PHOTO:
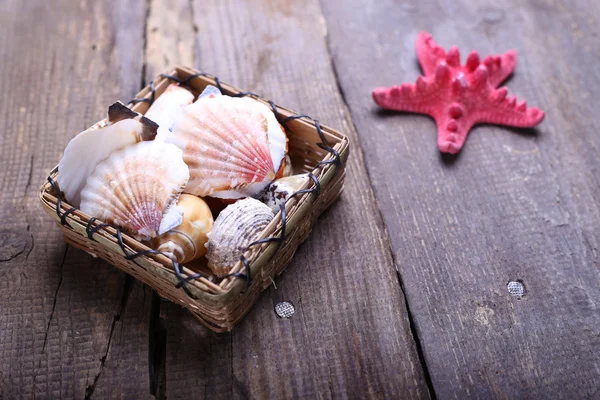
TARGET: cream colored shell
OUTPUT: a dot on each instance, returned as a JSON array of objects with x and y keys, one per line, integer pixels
[
  {"x": 237, "y": 226},
  {"x": 280, "y": 190},
  {"x": 186, "y": 242},
  {"x": 137, "y": 187},
  {"x": 168, "y": 107},
  {"x": 86, "y": 150}
]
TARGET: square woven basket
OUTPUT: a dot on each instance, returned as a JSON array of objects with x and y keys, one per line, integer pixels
[{"x": 218, "y": 303}]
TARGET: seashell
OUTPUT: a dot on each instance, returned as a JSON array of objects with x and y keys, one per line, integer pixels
[
  {"x": 86, "y": 150},
  {"x": 286, "y": 167},
  {"x": 233, "y": 146},
  {"x": 137, "y": 188},
  {"x": 237, "y": 226},
  {"x": 168, "y": 107},
  {"x": 280, "y": 190},
  {"x": 186, "y": 241}
]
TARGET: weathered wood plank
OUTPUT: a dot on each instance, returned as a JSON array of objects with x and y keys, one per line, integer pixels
[
  {"x": 170, "y": 33},
  {"x": 514, "y": 205},
  {"x": 350, "y": 335},
  {"x": 64, "y": 62},
  {"x": 127, "y": 354}
]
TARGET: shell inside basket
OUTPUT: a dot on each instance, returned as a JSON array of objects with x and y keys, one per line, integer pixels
[{"x": 219, "y": 300}]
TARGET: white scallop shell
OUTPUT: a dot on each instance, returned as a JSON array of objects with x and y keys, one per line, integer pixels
[
  {"x": 137, "y": 187},
  {"x": 237, "y": 226},
  {"x": 86, "y": 150},
  {"x": 233, "y": 146},
  {"x": 168, "y": 107}
]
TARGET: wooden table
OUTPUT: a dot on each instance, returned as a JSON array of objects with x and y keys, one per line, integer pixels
[{"x": 401, "y": 290}]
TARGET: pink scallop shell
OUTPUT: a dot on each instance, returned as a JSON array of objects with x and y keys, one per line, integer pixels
[
  {"x": 137, "y": 187},
  {"x": 232, "y": 146}
]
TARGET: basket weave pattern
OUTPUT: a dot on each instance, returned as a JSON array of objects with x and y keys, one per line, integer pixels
[{"x": 218, "y": 304}]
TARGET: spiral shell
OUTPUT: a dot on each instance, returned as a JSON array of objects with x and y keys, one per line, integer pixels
[
  {"x": 186, "y": 241},
  {"x": 137, "y": 187},
  {"x": 86, "y": 150},
  {"x": 237, "y": 226},
  {"x": 233, "y": 146}
]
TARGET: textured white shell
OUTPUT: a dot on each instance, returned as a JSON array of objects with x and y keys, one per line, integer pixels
[
  {"x": 167, "y": 108},
  {"x": 233, "y": 146},
  {"x": 136, "y": 188},
  {"x": 237, "y": 226},
  {"x": 280, "y": 190},
  {"x": 86, "y": 150}
]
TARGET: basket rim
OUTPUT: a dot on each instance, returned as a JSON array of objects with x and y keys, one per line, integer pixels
[{"x": 203, "y": 287}]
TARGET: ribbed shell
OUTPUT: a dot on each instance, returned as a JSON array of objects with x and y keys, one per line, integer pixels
[
  {"x": 233, "y": 146},
  {"x": 86, "y": 150},
  {"x": 237, "y": 226},
  {"x": 136, "y": 187}
]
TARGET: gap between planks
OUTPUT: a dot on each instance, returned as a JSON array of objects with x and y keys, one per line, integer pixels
[
  {"x": 157, "y": 327},
  {"x": 388, "y": 244}
]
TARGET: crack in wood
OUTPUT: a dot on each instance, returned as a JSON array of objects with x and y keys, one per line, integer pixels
[
  {"x": 231, "y": 363},
  {"x": 12, "y": 245},
  {"x": 157, "y": 330},
  {"x": 194, "y": 25},
  {"x": 415, "y": 334},
  {"x": 127, "y": 288},
  {"x": 145, "y": 44},
  {"x": 157, "y": 349},
  {"x": 55, "y": 297},
  {"x": 412, "y": 326},
  {"x": 12, "y": 256},
  {"x": 31, "y": 159},
  {"x": 30, "y": 247}
]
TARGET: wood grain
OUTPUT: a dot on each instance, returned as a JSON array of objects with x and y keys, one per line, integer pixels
[
  {"x": 350, "y": 335},
  {"x": 63, "y": 63},
  {"x": 170, "y": 33},
  {"x": 127, "y": 355},
  {"x": 514, "y": 205}
]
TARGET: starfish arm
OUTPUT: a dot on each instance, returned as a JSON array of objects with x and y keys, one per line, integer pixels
[
  {"x": 419, "y": 98},
  {"x": 500, "y": 67},
  {"x": 497, "y": 109},
  {"x": 452, "y": 132},
  {"x": 429, "y": 53},
  {"x": 427, "y": 96},
  {"x": 458, "y": 96}
]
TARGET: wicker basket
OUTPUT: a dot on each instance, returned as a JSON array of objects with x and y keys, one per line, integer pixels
[{"x": 218, "y": 303}]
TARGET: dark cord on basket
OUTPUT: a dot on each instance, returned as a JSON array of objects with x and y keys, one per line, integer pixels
[
  {"x": 144, "y": 99},
  {"x": 62, "y": 216},
  {"x": 187, "y": 80},
  {"x": 279, "y": 240},
  {"x": 182, "y": 281},
  {"x": 92, "y": 230}
]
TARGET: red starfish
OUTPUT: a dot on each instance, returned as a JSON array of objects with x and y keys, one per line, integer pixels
[{"x": 458, "y": 97}]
